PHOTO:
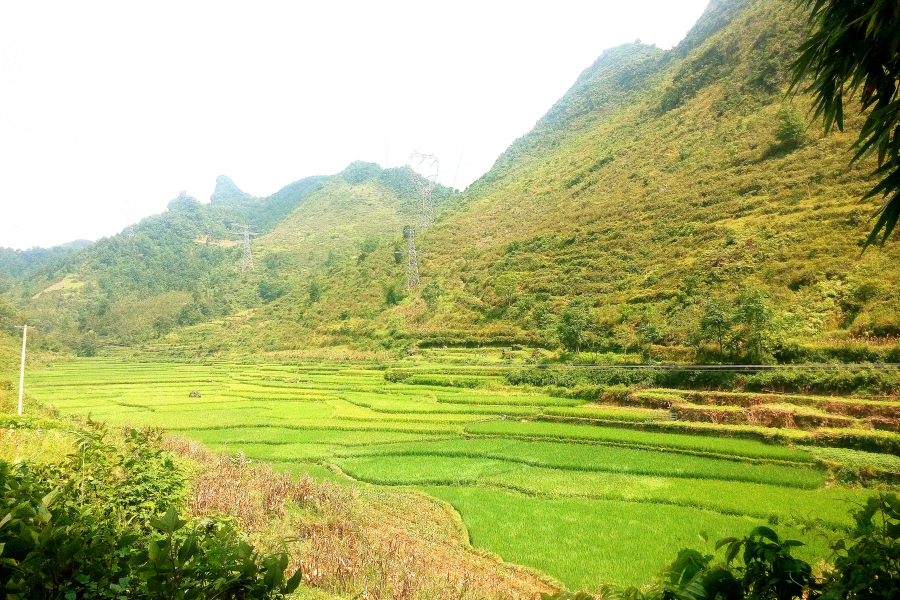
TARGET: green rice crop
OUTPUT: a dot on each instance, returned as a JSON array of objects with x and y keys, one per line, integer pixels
[
  {"x": 585, "y": 542},
  {"x": 599, "y": 500},
  {"x": 428, "y": 429},
  {"x": 611, "y": 459},
  {"x": 347, "y": 410},
  {"x": 422, "y": 469},
  {"x": 279, "y": 435},
  {"x": 858, "y": 459},
  {"x": 424, "y": 404},
  {"x": 631, "y": 437},
  {"x": 768, "y": 502},
  {"x": 727, "y": 497},
  {"x": 280, "y": 452},
  {"x": 507, "y": 399}
]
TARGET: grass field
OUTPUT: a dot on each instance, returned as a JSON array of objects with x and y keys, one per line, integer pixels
[
  {"x": 592, "y": 541},
  {"x": 583, "y": 503}
]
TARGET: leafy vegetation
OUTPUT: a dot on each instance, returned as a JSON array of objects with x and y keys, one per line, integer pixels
[
  {"x": 852, "y": 51},
  {"x": 861, "y": 379},
  {"x": 94, "y": 528}
]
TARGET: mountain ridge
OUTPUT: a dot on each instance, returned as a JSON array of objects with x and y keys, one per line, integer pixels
[
  {"x": 227, "y": 191},
  {"x": 654, "y": 186}
]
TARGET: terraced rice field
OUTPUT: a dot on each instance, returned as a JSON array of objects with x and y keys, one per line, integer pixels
[{"x": 534, "y": 477}]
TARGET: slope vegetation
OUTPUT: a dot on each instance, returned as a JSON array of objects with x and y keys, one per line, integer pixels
[
  {"x": 664, "y": 191},
  {"x": 661, "y": 186},
  {"x": 181, "y": 267}
]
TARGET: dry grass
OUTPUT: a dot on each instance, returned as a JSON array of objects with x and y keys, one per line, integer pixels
[
  {"x": 761, "y": 415},
  {"x": 355, "y": 541},
  {"x": 331, "y": 354},
  {"x": 885, "y": 423}
]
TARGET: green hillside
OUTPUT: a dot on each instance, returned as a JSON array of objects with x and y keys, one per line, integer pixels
[
  {"x": 685, "y": 193},
  {"x": 653, "y": 192},
  {"x": 671, "y": 202},
  {"x": 181, "y": 267}
]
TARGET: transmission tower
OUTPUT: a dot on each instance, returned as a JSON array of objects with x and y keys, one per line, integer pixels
[
  {"x": 246, "y": 255},
  {"x": 412, "y": 259},
  {"x": 423, "y": 169},
  {"x": 131, "y": 217}
]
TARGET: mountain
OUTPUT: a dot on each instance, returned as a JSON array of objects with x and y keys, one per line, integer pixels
[
  {"x": 14, "y": 263},
  {"x": 662, "y": 187},
  {"x": 227, "y": 192},
  {"x": 675, "y": 192},
  {"x": 73, "y": 245},
  {"x": 179, "y": 268}
]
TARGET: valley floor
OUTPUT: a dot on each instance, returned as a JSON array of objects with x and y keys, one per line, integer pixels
[{"x": 533, "y": 476}]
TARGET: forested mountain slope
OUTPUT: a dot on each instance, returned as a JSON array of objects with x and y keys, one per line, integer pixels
[
  {"x": 181, "y": 267},
  {"x": 663, "y": 187},
  {"x": 15, "y": 263},
  {"x": 666, "y": 191}
]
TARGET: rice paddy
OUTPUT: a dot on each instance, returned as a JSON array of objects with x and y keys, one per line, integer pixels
[{"x": 586, "y": 504}]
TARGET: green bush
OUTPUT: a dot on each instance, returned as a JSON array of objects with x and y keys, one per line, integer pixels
[
  {"x": 88, "y": 528},
  {"x": 791, "y": 129},
  {"x": 860, "y": 379},
  {"x": 867, "y": 565}
]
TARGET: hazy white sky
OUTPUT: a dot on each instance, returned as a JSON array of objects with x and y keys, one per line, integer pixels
[{"x": 109, "y": 109}]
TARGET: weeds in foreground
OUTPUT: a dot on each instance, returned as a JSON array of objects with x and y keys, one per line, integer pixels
[{"x": 351, "y": 540}]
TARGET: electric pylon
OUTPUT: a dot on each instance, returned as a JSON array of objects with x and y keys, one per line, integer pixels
[
  {"x": 412, "y": 259},
  {"x": 423, "y": 169},
  {"x": 131, "y": 217},
  {"x": 246, "y": 255}
]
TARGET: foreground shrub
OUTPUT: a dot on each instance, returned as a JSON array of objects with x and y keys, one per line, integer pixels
[
  {"x": 53, "y": 544},
  {"x": 868, "y": 564}
]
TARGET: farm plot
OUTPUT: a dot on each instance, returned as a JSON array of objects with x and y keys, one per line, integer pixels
[
  {"x": 769, "y": 502},
  {"x": 600, "y": 458},
  {"x": 642, "y": 439},
  {"x": 588, "y": 542},
  {"x": 584, "y": 503}
]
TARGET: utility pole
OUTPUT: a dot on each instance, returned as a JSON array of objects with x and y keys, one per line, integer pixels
[
  {"x": 24, "y": 329},
  {"x": 246, "y": 255},
  {"x": 412, "y": 260},
  {"x": 423, "y": 169}
]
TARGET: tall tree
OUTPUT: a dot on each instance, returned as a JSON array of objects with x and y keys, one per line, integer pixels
[
  {"x": 757, "y": 326},
  {"x": 573, "y": 324},
  {"x": 854, "y": 48},
  {"x": 715, "y": 322}
]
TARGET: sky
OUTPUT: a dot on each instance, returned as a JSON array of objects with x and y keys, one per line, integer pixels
[{"x": 108, "y": 110}]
